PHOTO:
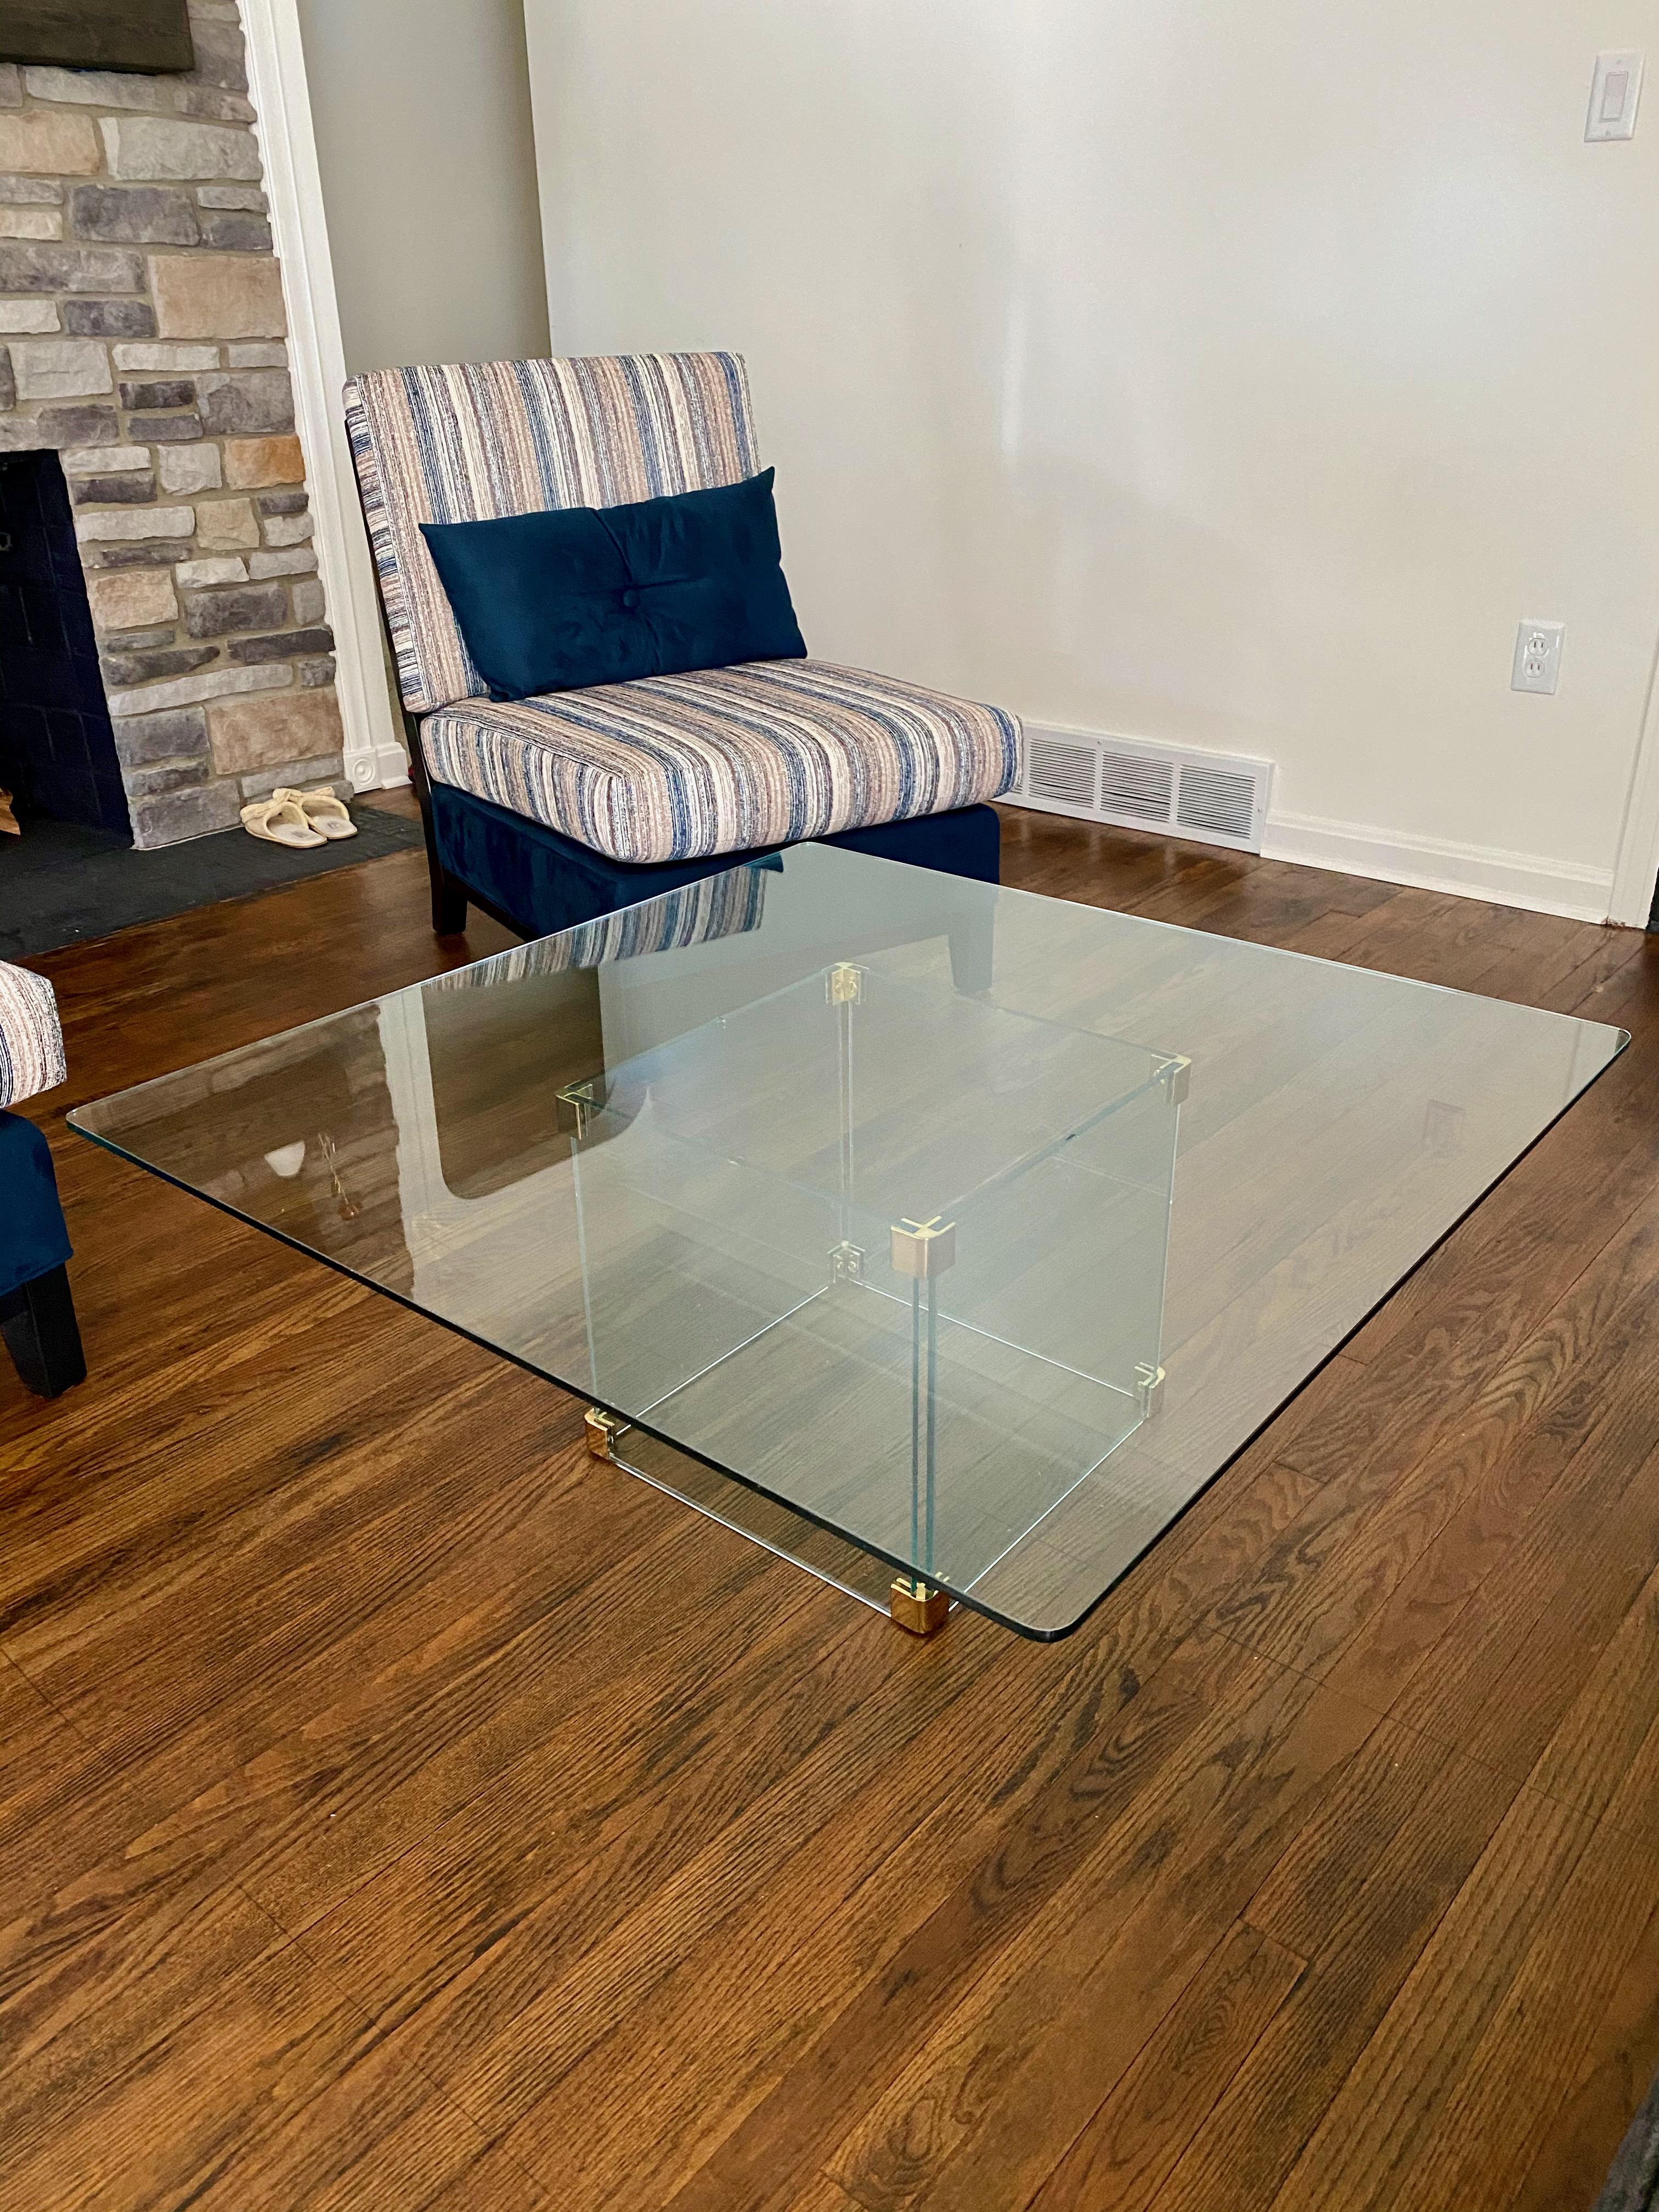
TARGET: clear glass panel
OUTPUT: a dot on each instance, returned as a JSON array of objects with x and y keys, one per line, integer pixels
[{"x": 872, "y": 1189}]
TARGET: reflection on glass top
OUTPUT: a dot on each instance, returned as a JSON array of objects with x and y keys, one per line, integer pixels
[{"x": 979, "y": 1228}]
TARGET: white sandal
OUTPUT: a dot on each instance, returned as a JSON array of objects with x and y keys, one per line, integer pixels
[
  {"x": 323, "y": 811},
  {"x": 280, "y": 820}
]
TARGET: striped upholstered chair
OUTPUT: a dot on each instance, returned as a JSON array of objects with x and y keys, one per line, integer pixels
[
  {"x": 37, "y": 1314},
  {"x": 550, "y": 811}
]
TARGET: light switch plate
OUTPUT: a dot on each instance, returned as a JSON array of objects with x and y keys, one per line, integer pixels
[
  {"x": 1537, "y": 657},
  {"x": 1614, "y": 91}
]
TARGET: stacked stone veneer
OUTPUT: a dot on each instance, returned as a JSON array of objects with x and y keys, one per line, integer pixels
[{"x": 141, "y": 337}]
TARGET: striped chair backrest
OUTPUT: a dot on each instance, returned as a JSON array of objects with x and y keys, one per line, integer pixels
[
  {"x": 478, "y": 439},
  {"x": 30, "y": 1043}
]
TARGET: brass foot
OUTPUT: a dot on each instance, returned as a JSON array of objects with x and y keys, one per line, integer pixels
[
  {"x": 603, "y": 1430},
  {"x": 918, "y": 1606}
]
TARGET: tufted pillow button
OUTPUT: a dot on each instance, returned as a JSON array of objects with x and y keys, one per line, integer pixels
[{"x": 631, "y": 599}]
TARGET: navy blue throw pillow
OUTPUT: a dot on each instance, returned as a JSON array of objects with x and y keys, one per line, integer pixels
[{"x": 585, "y": 595}]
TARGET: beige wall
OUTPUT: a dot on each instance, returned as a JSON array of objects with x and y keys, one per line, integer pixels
[
  {"x": 1232, "y": 372},
  {"x": 422, "y": 110}
]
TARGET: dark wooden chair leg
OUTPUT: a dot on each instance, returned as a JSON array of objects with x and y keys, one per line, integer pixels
[
  {"x": 449, "y": 903},
  {"x": 42, "y": 1335},
  {"x": 449, "y": 898}
]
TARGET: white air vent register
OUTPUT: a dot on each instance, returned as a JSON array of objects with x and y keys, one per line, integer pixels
[{"x": 1220, "y": 799}]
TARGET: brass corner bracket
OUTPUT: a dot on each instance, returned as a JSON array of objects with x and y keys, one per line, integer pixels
[
  {"x": 842, "y": 983},
  {"x": 916, "y": 1606},
  {"x": 922, "y": 1248},
  {"x": 579, "y": 1105},
  {"x": 603, "y": 1431}
]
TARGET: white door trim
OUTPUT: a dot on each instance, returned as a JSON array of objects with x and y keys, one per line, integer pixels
[
  {"x": 1637, "y": 864},
  {"x": 375, "y": 755}
]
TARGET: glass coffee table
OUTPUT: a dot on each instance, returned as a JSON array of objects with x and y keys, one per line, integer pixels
[{"x": 946, "y": 1240}]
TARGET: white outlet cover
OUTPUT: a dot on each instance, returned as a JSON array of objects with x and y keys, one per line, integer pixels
[
  {"x": 1537, "y": 656},
  {"x": 1616, "y": 89}
]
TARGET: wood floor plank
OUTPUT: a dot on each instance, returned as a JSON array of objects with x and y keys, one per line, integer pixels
[
  {"x": 1390, "y": 2120},
  {"x": 110, "y": 1938},
  {"x": 1154, "y": 1890},
  {"x": 1360, "y": 1893},
  {"x": 1513, "y": 2081},
  {"x": 270, "y": 2095},
  {"x": 477, "y": 1924},
  {"x": 1604, "y": 1756},
  {"x": 1622, "y": 2057},
  {"x": 1565, "y": 973},
  {"x": 1432, "y": 1507},
  {"x": 1536, "y": 1494},
  {"x": 1069, "y": 1773},
  {"x": 259, "y": 1447},
  {"x": 1534, "y": 1632},
  {"x": 819, "y": 2193},
  {"x": 1124, "y": 2155}
]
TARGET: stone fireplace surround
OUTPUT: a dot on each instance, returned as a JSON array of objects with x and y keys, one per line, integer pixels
[{"x": 142, "y": 338}]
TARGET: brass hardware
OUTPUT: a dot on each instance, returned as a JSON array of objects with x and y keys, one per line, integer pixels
[
  {"x": 1176, "y": 1075},
  {"x": 578, "y": 1104},
  {"x": 924, "y": 1247},
  {"x": 916, "y": 1606},
  {"x": 1149, "y": 1389},
  {"x": 846, "y": 1263},
  {"x": 603, "y": 1431},
  {"x": 842, "y": 983}
]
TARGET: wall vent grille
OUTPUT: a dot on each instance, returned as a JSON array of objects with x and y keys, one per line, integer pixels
[
  {"x": 1067, "y": 773},
  {"x": 1214, "y": 796}
]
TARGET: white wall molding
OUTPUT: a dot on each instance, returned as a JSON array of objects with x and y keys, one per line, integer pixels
[
  {"x": 1438, "y": 864},
  {"x": 375, "y": 756},
  {"x": 1637, "y": 865}
]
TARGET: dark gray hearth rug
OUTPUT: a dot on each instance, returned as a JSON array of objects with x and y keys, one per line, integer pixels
[
  {"x": 61, "y": 884},
  {"x": 1633, "y": 2184}
]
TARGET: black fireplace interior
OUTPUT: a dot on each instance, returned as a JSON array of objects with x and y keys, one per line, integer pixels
[{"x": 58, "y": 754}]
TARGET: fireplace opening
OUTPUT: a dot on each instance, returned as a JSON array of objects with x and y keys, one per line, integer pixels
[{"x": 57, "y": 756}]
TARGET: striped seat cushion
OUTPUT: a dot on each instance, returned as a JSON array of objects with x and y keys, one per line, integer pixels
[
  {"x": 30, "y": 1043},
  {"x": 474, "y": 440},
  {"x": 678, "y": 768}
]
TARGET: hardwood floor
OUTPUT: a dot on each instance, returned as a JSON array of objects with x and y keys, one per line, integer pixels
[{"x": 399, "y": 1809}]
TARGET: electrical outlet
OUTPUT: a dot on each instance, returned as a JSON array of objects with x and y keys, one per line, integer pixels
[{"x": 1537, "y": 657}]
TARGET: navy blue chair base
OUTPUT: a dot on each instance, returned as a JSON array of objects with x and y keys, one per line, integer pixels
[
  {"x": 42, "y": 1334},
  {"x": 37, "y": 1315},
  {"x": 535, "y": 882}
]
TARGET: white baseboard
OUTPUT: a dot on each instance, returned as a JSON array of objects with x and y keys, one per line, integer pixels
[
  {"x": 1439, "y": 864},
  {"x": 390, "y": 766}
]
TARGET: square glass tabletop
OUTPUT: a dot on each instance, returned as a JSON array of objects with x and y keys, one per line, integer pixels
[{"x": 951, "y": 1229}]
